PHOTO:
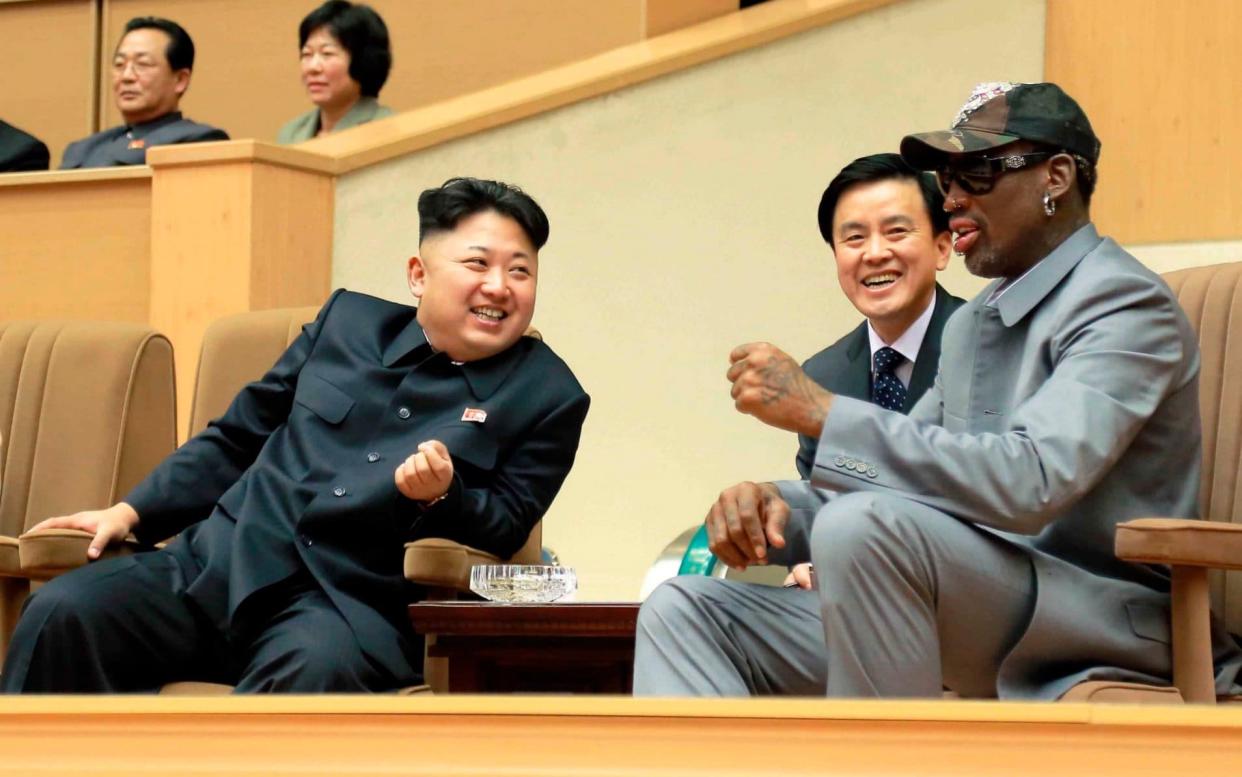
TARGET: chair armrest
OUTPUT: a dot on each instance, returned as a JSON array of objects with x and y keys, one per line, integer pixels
[
  {"x": 443, "y": 563},
  {"x": 1180, "y": 542},
  {"x": 10, "y": 566},
  {"x": 46, "y": 553}
]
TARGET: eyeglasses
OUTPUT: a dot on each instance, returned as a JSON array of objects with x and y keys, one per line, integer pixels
[{"x": 977, "y": 175}]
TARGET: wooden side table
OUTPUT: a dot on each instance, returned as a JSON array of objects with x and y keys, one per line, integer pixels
[{"x": 491, "y": 647}]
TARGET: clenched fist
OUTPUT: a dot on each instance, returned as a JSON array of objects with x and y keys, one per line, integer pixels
[
  {"x": 427, "y": 474},
  {"x": 771, "y": 386}
]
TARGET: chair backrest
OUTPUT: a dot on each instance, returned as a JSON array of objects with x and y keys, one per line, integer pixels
[
  {"x": 1212, "y": 299},
  {"x": 240, "y": 348},
  {"x": 87, "y": 409},
  {"x": 237, "y": 350}
]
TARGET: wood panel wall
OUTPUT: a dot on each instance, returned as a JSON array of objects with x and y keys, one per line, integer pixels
[
  {"x": 1160, "y": 83},
  {"x": 48, "y": 86},
  {"x": 77, "y": 244}
]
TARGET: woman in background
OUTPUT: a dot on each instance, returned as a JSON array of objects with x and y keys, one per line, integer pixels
[{"x": 345, "y": 62}]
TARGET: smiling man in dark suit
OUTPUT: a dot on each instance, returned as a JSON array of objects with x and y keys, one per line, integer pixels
[
  {"x": 381, "y": 423},
  {"x": 889, "y": 234}
]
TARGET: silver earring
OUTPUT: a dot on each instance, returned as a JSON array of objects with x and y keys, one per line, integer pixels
[{"x": 1050, "y": 205}]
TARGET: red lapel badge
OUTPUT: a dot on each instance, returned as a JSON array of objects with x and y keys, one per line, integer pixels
[
  {"x": 474, "y": 415},
  {"x": 137, "y": 143}
]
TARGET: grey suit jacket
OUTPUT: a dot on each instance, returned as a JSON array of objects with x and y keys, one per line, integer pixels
[
  {"x": 127, "y": 145},
  {"x": 1067, "y": 406},
  {"x": 306, "y": 126},
  {"x": 845, "y": 368}
]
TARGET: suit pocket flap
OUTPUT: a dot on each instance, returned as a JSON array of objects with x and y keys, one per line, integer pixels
[
  {"x": 1149, "y": 621},
  {"x": 467, "y": 442},
  {"x": 322, "y": 398}
]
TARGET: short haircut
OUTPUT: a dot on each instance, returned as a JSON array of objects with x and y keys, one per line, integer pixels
[
  {"x": 180, "y": 50},
  {"x": 362, "y": 33},
  {"x": 880, "y": 167},
  {"x": 443, "y": 208}
]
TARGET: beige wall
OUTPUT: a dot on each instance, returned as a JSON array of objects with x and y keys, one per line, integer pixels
[{"x": 683, "y": 223}]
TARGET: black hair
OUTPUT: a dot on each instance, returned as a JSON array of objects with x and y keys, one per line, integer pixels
[
  {"x": 180, "y": 50},
  {"x": 880, "y": 167},
  {"x": 362, "y": 33},
  {"x": 1086, "y": 174},
  {"x": 442, "y": 209}
]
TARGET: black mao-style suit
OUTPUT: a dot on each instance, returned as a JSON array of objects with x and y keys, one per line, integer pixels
[
  {"x": 295, "y": 481},
  {"x": 845, "y": 368}
]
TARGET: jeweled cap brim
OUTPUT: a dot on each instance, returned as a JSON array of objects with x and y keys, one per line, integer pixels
[{"x": 927, "y": 150}]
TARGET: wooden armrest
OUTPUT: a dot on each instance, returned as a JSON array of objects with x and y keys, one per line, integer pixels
[
  {"x": 1180, "y": 542},
  {"x": 443, "y": 563},
  {"x": 10, "y": 566},
  {"x": 46, "y": 553}
]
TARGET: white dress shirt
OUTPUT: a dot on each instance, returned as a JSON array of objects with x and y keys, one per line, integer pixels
[{"x": 908, "y": 344}]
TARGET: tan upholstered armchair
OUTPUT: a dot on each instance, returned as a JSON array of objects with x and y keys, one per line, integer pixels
[
  {"x": 1212, "y": 298},
  {"x": 86, "y": 410}
]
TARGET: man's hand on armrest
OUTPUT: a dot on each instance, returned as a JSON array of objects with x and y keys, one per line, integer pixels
[
  {"x": 111, "y": 525},
  {"x": 426, "y": 475},
  {"x": 744, "y": 521}
]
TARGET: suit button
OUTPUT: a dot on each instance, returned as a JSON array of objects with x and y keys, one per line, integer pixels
[
  {"x": 871, "y": 472},
  {"x": 307, "y": 541},
  {"x": 339, "y": 491},
  {"x": 403, "y": 413},
  {"x": 839, "y": 461},
  {"x": 373, "y": 457},
  {"x": 849, "y": 463}
]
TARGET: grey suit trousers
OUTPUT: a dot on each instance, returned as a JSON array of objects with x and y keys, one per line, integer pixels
[{"x": 908, "y": 600}]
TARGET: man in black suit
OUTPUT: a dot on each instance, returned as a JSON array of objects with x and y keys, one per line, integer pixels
[
  {"x": 887, "y": 256},
  {"x": 20, "y": 151},
  {"x": 380, "y": 424},
  {"x": 150, "y": 73}
]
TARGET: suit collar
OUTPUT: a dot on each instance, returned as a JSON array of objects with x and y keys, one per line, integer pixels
[
  {"x": 483, "y": 376},
  {"x": 928, "y": 363},
  {"x": 1031, "y": 289},
  {"x": 360, "y": 112},
  {"x": 146, "y": 128}
]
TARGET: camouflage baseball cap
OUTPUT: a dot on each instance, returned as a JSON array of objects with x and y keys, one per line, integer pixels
[{"x": 1002, "y": 112}]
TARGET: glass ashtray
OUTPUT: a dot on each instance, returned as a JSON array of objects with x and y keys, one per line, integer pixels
[{"x": 524, "y": 583}]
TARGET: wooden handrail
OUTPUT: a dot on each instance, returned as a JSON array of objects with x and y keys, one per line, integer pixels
[{"x": 438, "y": 123}]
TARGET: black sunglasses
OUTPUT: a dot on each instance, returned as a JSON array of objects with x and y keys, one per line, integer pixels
[{"x": 977, "y": 175}]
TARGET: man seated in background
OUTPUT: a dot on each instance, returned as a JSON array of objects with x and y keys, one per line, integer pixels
[
  {"x": 885, "y": 224},
  {"x": 20, "y": 151},
  {"x": 970, "y": 544},
  {"x": 150, "y": 73},
  {"x": 380, "y": 424}
]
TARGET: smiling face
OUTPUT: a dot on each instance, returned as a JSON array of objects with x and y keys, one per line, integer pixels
[
  {"x": 887, "y": 253},
  {"x": 145, "y": 85},
  {"x": 325, "y": 71},
  {"x": 476, "y": 286}
]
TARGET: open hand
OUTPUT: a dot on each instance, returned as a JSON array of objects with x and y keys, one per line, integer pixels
[
  {"x": 427, "y": 474},
  {"x": 111, "y": 525}
]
